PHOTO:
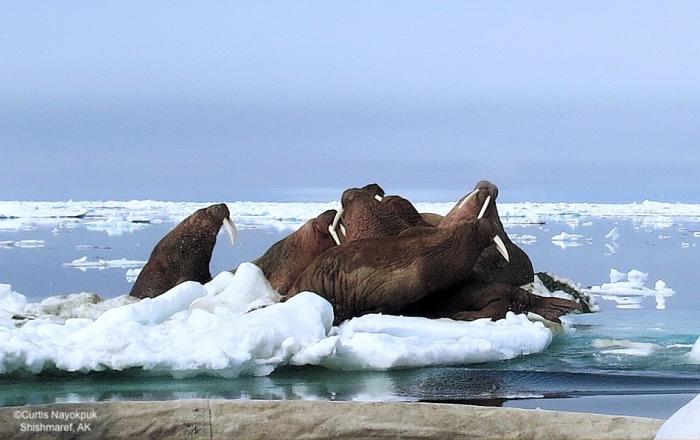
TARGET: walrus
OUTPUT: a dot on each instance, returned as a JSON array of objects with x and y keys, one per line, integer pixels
[
  {"x": 184, "y": 253},
  {"x": 491, "y": 268},
  {"x": 471, "y": 300},
  {"x": 386, "y": 274},
  {"x": 367, "y": 213},
  {"x": 288, "y": 258}
]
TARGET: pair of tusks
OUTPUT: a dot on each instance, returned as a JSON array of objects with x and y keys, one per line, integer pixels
[
  {"x": 483, "y": 207},
  {"x": 336, "y": 220},
  {"x": 231, "y": 230},
  {"x": 500, "y": 246}
]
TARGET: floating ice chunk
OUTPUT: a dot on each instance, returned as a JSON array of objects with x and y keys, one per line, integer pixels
[
  {"x": 613, "y": 235},
  {"x": 89, "y": 247},
  {"x": 696, "y": 234},
  {"x": 26, "y": 244},
  {"x": 85, "y": 263},
  {"x": 524, "y": 239},
  {"x": 132, "y": 274},
  {"x": 625, "y": 347},
  {"x": 684, "y": 424},
  {"x": 628, "y": 291},
  {"x": 565, "y": 240},
  {"x": 694, "y": 354},
  {"x": 380, "y": 342},
  {"x": 664, "y": 237}
]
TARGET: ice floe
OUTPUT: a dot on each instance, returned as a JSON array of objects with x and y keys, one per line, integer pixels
[
  {"x": 132, "y": 274},
  {"x": 684, "y": 424},
  {"x": 625, "y": 347},
  {"x": 629, "y": 290},
  {"x": 119, "y": 217},
  {"x": 524, "y": 239},
  {"x": 86, "y": 263},
  {"x": 204, "y": 329},
  {"x": 565, "y": 240},
  {"x": 694, "y": 354},
  {"x": 26, "y": 244}
]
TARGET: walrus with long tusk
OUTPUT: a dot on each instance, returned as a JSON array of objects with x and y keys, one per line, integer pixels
[
  {"x": 288, "y": 258},
  {"x": 184, "y": 253},
  {"x": 386, "y": 274}
]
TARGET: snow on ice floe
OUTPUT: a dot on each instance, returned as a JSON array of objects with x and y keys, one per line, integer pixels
[
  {"x": 86, "y": 263},
  {"x": 684, "y": 424},
  {"x": 565, "y": 240},
  {"x": 120, "y": 217},
  {"x": 203, "y": 329},
  {"x": 628, "y": 290}
]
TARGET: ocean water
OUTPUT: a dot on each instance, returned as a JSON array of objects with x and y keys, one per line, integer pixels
[{"x": 628, "y": 358}]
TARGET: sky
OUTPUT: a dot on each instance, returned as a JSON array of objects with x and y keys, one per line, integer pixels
[{"x": 592, "y": 101}]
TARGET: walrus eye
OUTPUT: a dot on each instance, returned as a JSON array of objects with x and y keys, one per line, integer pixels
[
  {"x": 231, "y": 230},
  {"x": 466, "y": 199},
  {"x": 501, "y": 247},
  {"x": 378, "y": 197},
  {"x": 483, "y": 207}
]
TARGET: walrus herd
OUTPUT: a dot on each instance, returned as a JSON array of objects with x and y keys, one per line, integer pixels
[{"x": 376, "y": 254}]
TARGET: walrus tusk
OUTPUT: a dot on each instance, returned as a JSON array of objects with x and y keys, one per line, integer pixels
[
  {"x": 501, "y": 247},
  {"x": 231, "y": 230},
  {"x": 466, "y": 199},
  {"x": 334, "y": 234},
  {"x": 342, "y": 230},
  {"x": 378, "y": 197},
  {"x": 483, "y": 207}
]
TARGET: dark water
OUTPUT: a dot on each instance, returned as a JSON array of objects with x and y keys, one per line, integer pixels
[{"x": 571, "y": 374}]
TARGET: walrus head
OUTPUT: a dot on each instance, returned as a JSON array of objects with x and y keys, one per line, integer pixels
[
  {"x": 368, "y": 213},
  {"x": 479, "y": 203},
  {"x": 213, "y": 218},
  {"x": 285, "y": 260}
]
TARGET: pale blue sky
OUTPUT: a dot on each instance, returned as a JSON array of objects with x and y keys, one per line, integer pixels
[{"x": 585, "y": 101}]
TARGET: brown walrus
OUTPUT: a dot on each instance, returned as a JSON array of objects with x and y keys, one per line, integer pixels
[
  {"x": 288, "y": 258},
  {"x": 184, "y": 253},
  {"x": 386, "y": 274}
]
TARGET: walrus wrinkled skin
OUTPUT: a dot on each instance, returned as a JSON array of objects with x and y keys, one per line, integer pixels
[
  {"x": 183, "y": 254},
  {"x": 386, "y": 274},
  {"x": 368, "y": 213},
  {"x": 288, "y": 258},
  {"x": 468, "y": 301},
  {"x": 491, "y": 267}
]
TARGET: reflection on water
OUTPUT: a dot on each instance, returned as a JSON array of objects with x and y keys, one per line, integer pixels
[{"x": 596, "y": 356}]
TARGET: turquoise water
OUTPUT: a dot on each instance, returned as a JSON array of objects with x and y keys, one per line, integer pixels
[{"x": 578, "y": 371}]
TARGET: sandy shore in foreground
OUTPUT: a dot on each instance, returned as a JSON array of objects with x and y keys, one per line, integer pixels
[{"x": 229, "y": 419}]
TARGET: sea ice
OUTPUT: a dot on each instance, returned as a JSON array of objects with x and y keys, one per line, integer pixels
[
  {"x": 684, "y": 424},
  {"x": 132, "y": 274},
  {"x": 565, "y": 240},
  {"x": 625, "y": 347},
  {"x": 85, "y": 263},
  {"x": 205, "y": 329},
  {"x": 26, "y": 244},
  {"x": 693, "y": 355},
  {"x": 628, "y": 290}
]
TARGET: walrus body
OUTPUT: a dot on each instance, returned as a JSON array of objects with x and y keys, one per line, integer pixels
[
  {"x": 183, "y": 254},
  {"x": 288, "y": 258},
  {"x": 386, "y": 274}
]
